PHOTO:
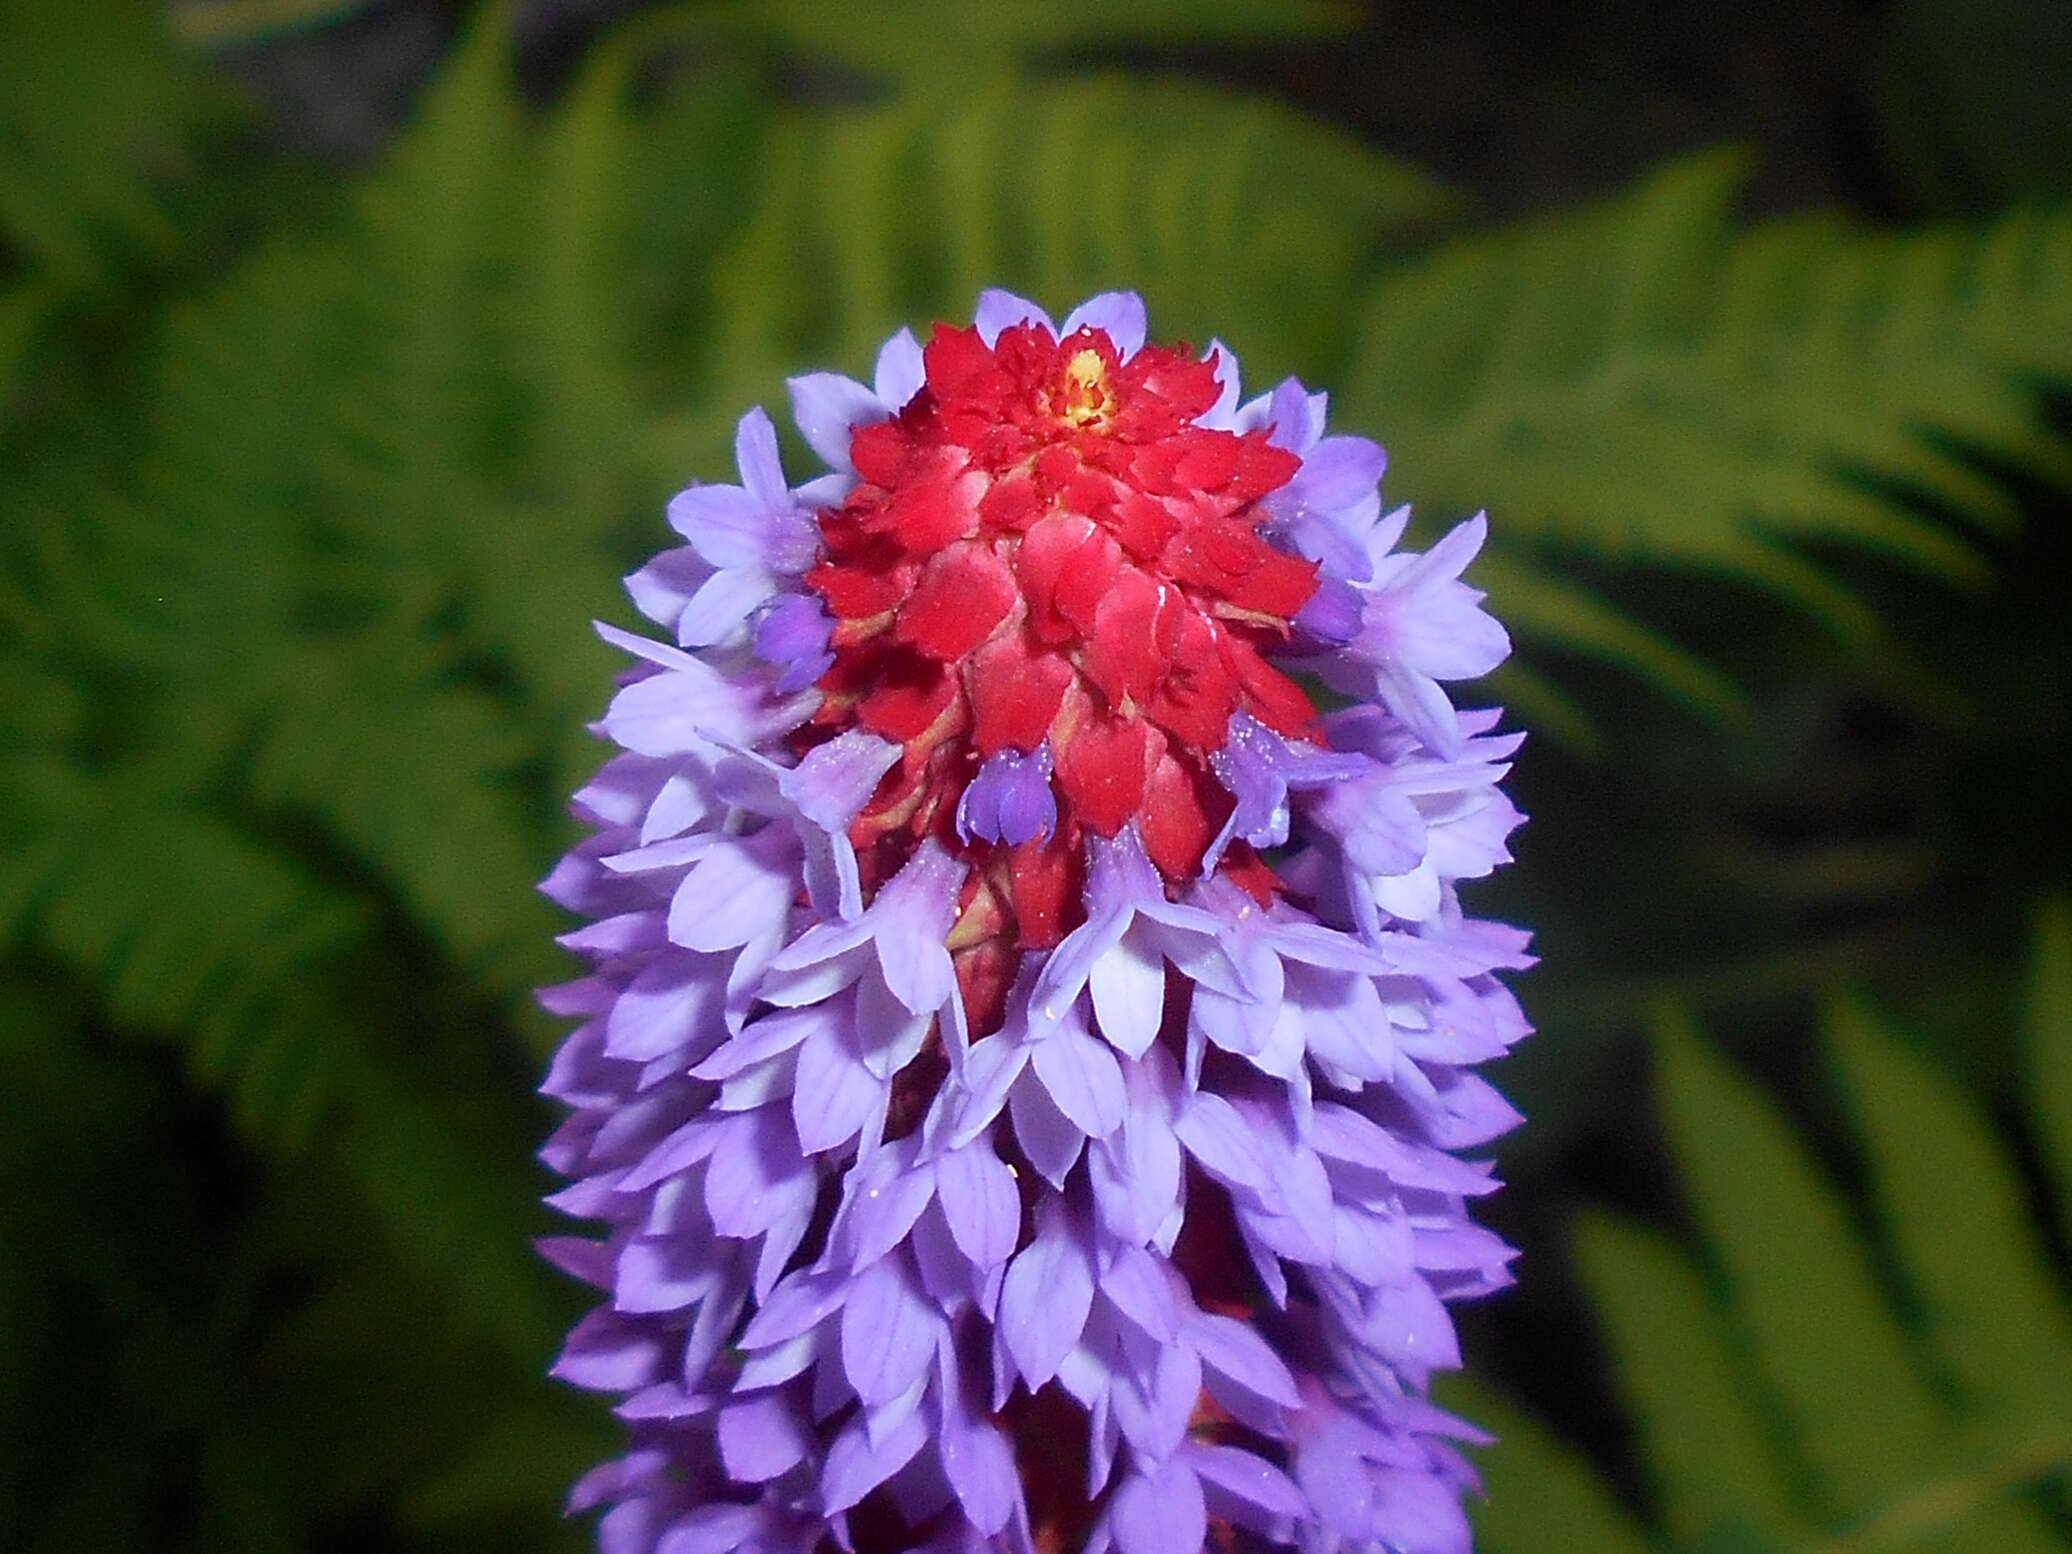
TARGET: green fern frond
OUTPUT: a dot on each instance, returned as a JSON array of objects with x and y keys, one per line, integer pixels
[
  {"x": 438, "y": 841},
  {"x": 1711, "y": 1451},
  {"x": 2048, "y": 1039},
  {"x": 1538, "y": 605},
  {"x": 323, "y": 544},
  {"x": 23, "y": 309},
  {"x": 1232, "y": 214},
  {"x": 1648, "y": 382},
  {"x": 910, "y": 40},
  {"x": 1539, "y": 1495},
  {"x": 1828, "y": 1345},
  {"x": 218, "y": 24},
  {"x": 1539, "y": 702},
  {"x": 190, "y": 928},
  {"x": 98, "y": 112},
  {"x": 287, "y": 709},
  {"x": 291, "y": 1375},
  {"x": 98, "y": 123},
  {"x": 1952, "y": 1208},
  {"x": 1784, "y": 1397},
  {"x": 300, "y": 631},
  {"x": 184, "y": 925}
]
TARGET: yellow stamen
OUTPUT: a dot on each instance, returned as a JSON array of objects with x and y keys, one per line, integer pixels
[{"x": 1086, "y": 397}]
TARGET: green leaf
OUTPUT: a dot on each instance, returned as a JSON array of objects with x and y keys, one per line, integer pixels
[
  {"x": 1537, "y": 1494},
  {"x": 943, "y": 42},
  {"x": 566, "y": 312},
  {"x": 1824, "y": 1339},
  {"x": 189, "y": 929},
  {"x": 185, "y": 924},
  {"x": 1233, "y": 215},
  {"x": 2048, "y": 1039},
  {"x": 23, "y": 310},
  {"x": 1703, "y": 1434},
  {"x": 1953, "y": 1211},
  {"x": 1539, "y": 703},
  {"x": 1649, "y": 384},
  {"x": 350, "y": 749},
  {"x": 1891, "y": 1464},
  {"x": 99, "y": 112}
]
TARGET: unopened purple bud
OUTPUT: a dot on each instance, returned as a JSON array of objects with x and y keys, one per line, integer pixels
[
  {"x": 794, "y": 631},
  {"x": 1010, "y": 800}
]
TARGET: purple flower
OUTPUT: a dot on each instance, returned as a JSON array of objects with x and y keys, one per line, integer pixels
[
  {"x": 1024, "y": 1053},
  {"x": 1258, "y": 768},
  {"x": 1009, "y": 800},
  {"x": 829, "y": 407},
  {"x": 744, "y": 541},
  {"x": 793, "y": 631},
  {"x": 1419, "y": 625}
]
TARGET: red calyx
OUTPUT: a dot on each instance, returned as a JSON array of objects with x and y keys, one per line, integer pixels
[{"x": 1042, "y": 545}]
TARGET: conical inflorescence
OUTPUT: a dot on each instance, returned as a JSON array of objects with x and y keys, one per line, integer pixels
[{"x": 1028, "y": 1047}]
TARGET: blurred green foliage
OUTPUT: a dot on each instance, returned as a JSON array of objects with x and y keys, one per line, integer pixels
[
  {"x": 312, "y": 487},
  {"x": 1794, "y": 1389}
]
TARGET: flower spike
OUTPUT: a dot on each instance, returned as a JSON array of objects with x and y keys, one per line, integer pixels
[{"x": 1026, "y": 1044}]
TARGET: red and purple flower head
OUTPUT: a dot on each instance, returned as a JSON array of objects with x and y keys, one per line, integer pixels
[{"x": 1028, "y": 1045}]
